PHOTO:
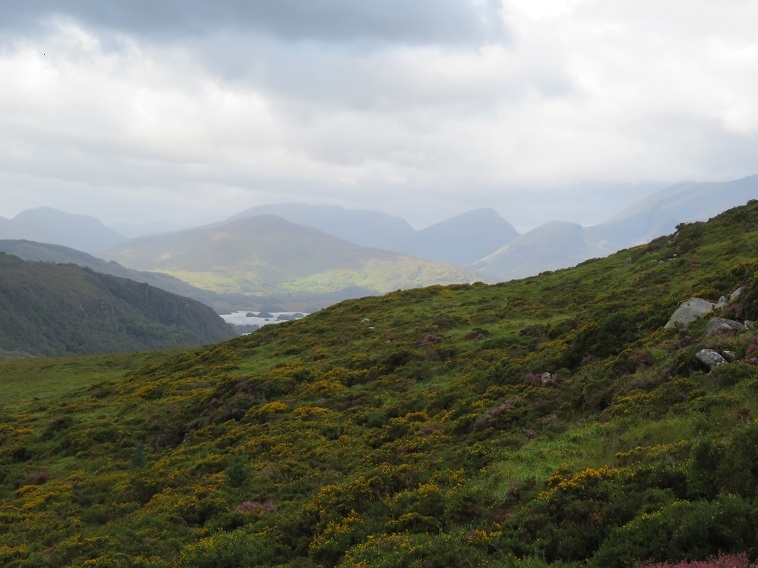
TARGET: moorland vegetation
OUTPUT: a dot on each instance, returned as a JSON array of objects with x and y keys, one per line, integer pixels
[{"x": 549, "y": 421}]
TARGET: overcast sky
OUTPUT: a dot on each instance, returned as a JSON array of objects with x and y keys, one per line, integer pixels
[{"x": 192, "y": 110}]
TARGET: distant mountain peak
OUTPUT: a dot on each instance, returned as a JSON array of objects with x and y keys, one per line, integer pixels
[
  {"x": 362, "y": 227},
  {"x": 556, "y": 244},
  {"x": 658, "y": 214},
  {"x": 460, "y": 240},
  {"x": 49, "y": 225},
  {"x": 268, "y": 255}
]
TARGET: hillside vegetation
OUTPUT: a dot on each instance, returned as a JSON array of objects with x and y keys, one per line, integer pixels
[
  {"x": 550, "y": 421},
  {"x": 53, "y": 309}
]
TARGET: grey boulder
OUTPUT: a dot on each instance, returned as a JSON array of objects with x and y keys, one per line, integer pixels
[
  {"x": 689, "y": 311},
  {"x": 721, "y": 325},
  {"x": 710, "y": 358}
]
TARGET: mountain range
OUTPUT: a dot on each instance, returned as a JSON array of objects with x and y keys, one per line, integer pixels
[
  {"x": 552, "y": 246},
  {"x": 304, "y": 257},
  {"x": 462, "y": 240},
  {"x": 660, "y": 213},
  {"x": 267, "y": 255}
]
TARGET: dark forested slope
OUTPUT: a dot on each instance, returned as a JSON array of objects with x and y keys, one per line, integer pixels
[
  {"x": 52, "y": 309},
  {"x": 45, "y": 252}
]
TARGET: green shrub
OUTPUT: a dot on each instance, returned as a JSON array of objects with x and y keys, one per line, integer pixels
[
  {"x": 682, "y": 530},
  {"x": 236, "y": 549}
]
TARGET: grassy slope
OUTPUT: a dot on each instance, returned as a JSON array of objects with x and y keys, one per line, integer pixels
[
  {"x": 416, "y": 427},
  {"x": 48, "y": 378}
]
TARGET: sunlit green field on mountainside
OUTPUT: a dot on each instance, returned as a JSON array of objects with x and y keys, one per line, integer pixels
[
  {"x": 551, "y": 421},
  {"x": 373, "y": 276}
]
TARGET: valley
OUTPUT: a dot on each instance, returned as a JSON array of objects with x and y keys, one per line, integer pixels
[{"x": 301, "y": 258}]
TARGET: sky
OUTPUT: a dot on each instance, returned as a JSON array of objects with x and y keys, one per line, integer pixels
[{"x": 188, "y": 111}]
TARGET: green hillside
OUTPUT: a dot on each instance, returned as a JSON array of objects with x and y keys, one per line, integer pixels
[
  {"x": 550, "y": 421},
  {"x": 52, "y": 309},
  {"x": 45, "y": 252},
  {"x": 268, "y": 256}
]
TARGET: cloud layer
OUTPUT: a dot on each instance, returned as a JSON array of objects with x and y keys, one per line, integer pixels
[{"x": 425, "y": 109}]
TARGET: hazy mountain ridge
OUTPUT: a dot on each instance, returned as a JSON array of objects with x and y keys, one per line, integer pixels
[
  {"x": 485, "y": 241},
  {"x": 661, "y": 212},
  {"x": 480, "y": 239},
  {"x": 546, "y": 248},
  {"x": 267, "y": 255},
  {"x": 366, "y": 228},
  {"x": 48, "y": 225},
  {"x": 554, "y": 245},
  {"x": 549, "y": 422},
  {"x": 54, "y": 309},
  {"x": 461, "y": 240}
]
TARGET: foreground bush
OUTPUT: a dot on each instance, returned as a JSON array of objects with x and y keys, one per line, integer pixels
[{"x": 721, "y": 561}]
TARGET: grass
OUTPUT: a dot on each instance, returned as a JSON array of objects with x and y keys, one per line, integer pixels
[
  {"x": 48, "y": 378},
  {"x": 575, "y": 450}
]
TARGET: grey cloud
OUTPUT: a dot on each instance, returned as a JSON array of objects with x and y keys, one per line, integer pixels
[
  {"x": 302, "y": 80},
  {"x": 419, "y": 22}
]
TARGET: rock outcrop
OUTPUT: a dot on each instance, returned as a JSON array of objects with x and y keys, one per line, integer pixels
[
  {"x": 710, "y": 358},
  {"x": 721, "y": 325},
  {"x": 689, "y": 311}
]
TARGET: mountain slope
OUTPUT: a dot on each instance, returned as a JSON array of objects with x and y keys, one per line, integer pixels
[
  {"x": 365, "y": 228},
  {"x": 554, "y": 245},
  {"x": 661, "y": 212},
  {"x": 53, "y": 309},
  {"x": 49, "y": 225},
  {"x": 43, "y": 252},
  {"x": 550, "y": 421},
  {"x": 463, "y": 239},
  {"x": 460, "y": 240},
  {"x": 268, "y": 255},
  {"x": 561, "y": 244}
]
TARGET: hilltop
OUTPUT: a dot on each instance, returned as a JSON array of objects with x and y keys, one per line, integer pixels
[
  {"x": 554, "y": 245},
  {"x": 269, "y": 256},
  {"x": 49, "y": 225},
  {"x": 550, "y": 421},
  {"x": 461, "y": 240},
  {"x": 52, "y": 309}
]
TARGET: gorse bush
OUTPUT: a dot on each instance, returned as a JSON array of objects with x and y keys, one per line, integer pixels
[{"x": 720, "y": 561}]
